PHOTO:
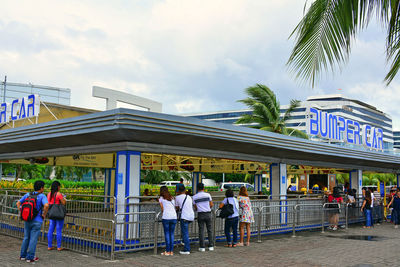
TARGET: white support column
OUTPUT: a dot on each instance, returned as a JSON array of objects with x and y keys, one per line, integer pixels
[
  {"x": 196, "y": 178},
  {"x": 279, "y": 187},
  {"x": 278, "y": 180},
  {"x": 127, "y": 183},
  {"x": 258, "y": 183},
  {"x": 356, "y": 180}
]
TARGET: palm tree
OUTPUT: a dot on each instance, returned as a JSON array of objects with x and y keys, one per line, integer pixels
[
  {"x": 266, "y": 112},
  {"x": 327, "y": 30}
]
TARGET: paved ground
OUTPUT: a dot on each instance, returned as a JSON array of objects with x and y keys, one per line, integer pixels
[{"x": 307, "y": 249}]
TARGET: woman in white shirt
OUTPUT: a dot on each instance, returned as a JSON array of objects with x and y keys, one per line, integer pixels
[
  {"x": 232, "y": 221},
  {"x": 169, "y": 217}
]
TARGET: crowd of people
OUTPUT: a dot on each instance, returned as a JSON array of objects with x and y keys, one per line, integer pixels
[
  {"x": 182, "y": 207},
  {"x": 35, "y": 206}
]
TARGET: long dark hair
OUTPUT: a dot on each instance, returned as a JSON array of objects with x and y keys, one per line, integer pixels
[
  {"x": 368, "y": 197},
  {"x": 54, "y": 189},
  {"x": 165, "y": 193}
]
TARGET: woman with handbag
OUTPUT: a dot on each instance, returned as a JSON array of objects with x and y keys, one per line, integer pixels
[
  {"x": 57, "y": 203},
  {"x": 231, "y": 222}
]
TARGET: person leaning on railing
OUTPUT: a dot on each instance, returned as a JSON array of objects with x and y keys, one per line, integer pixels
[
  {"x": 55, "y": 197},
  {"x": 203, "y": 204},
  {"x": 232, "y": 221},
  {"x": 169, "y": 219},
  {"x": 245, "y": 215}
]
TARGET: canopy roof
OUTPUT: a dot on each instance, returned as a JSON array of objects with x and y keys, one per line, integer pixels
[{"x": 126, "y": 129}]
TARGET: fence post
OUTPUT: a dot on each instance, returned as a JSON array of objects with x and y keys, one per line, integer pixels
[
  {"x": 156, "y": 234},
  {"x": 114, "y": 225},
  {"x": 323, "y": 219},
  {"x": 215, "y": 226},
  {"x": 259, "y": 224},
  {"x": 294, "y": 220},
  {"x": 347, "y": 216}
]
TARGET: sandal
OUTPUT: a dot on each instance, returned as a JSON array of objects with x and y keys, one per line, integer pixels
[
  {"x": 234, "y": 245},
  {"x": 240, "y": 244},
  {"x": 59, "y": 249},
  {"x": 248, "y": 244},
  {"x": 165, "y": 253},
  {"x": 50, "y": 248},
  {"x": 228, "y": 246}
]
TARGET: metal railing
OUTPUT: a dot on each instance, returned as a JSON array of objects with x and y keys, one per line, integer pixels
[{"x": 96, "y": 228}]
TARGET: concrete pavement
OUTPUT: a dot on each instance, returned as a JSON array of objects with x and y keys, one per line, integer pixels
[{"x": 340, "y": 248}]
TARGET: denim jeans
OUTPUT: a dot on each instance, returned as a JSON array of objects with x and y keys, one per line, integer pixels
[
  {"x": 368, "y": 217},
  {"x": 231, "y": 223},
  {"x": 31, "y": 235},
  {"x": 169, "y": 229},
  {"x": 377, "y": 210},
  {"x": 58, "y": 224},
  {"x": 204, "y": 219},
  {"x": 185, "y": 234}
]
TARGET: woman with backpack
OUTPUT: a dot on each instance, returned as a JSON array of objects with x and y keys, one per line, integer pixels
[
  {"x": 334, "y": 208},
  {"x": 169, "y": 219},
  {"x": 231, "y": 222},
  {"x": 55, "y": 198},
  {"x": 366, "y": 208}
]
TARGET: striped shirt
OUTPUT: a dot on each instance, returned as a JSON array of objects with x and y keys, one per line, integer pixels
[{"x": 202, "y": 201}]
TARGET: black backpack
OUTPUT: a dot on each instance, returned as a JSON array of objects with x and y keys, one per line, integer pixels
[{"x": 28, "y": 208}]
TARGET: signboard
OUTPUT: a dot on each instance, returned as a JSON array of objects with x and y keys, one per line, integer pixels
[
  {"x": 337, "y": 128},
  {"x": 21, "y": 108},
  {"x": 89, "y": 160}
]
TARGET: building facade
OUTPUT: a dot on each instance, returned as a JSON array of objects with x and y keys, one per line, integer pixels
[
  {"x": 10, "y": 91},
  {"x": 338, "y": 105}
]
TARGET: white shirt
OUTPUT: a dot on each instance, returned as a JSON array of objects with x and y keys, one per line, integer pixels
[
  {"x": 372, "y": 200},
  {"x": 187, "y": 209},
  {"x": 169, "y": 212},
  {"x": 202, "y": 201}
]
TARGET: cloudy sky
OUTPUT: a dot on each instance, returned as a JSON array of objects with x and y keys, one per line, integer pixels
[{"x": 191, "y": 55}]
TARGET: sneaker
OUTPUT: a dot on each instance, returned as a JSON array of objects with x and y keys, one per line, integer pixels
[
  {"x": 33, "y": 260},
  {"x": 22, "y": 259},
  {"x": 334, "y": 228},
  {"x": 342, "y": 226},
  {"x": 184, "y": 252},
  {"x": 396, "y": 226},
  {"x": 211, "y": 248},
  {"x": 202, "y": 249}
]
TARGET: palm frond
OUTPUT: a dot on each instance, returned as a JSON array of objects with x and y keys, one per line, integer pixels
[
  {"x": 296, "y": 133},
  {"x": 246, "y": 119},
  {"x": 293, "y": 105},
  {"x": 324, "y": 35}
]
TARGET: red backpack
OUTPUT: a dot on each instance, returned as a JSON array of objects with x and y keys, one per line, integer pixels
[{"x": 28, "y": 208}]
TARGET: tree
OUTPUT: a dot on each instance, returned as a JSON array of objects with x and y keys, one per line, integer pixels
[
  {"x": 324, "y": 36},
  {"x": 266, "y": 112}
]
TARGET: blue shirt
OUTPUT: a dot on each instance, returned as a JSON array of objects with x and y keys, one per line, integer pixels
[
  {"x": 235, "y": 204},
  {"x": 40, "y": 202}
]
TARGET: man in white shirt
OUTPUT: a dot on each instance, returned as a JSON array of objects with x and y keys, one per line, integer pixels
[
  {"x": 203, "y": 204},
  {"x": 184, "y": 204}
]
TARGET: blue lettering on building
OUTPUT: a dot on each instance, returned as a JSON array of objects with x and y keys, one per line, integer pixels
[
  {"x": 337, "y": 128},
  {"x": 21, "y": 108}
]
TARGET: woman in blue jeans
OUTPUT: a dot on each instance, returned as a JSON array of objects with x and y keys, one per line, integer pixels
[
  {"x": 366, "y": 208},
  {"x": 231, "y": 223},
  {"x": 55, "y": 197},
  {"x": 169, "y": 218}
]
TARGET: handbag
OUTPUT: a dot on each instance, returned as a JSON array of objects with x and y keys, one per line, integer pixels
[
  {"x": 56, "y": 211},
  {"x": 226, "y": 210},
  {"x": 180, "y": 209}
]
